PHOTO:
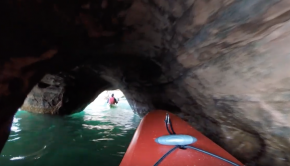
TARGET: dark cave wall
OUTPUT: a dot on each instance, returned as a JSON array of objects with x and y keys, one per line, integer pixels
[{"x": 222, "y": 64}]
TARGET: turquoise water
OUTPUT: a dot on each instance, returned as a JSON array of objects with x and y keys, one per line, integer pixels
[{"x": 98, "y": 136}]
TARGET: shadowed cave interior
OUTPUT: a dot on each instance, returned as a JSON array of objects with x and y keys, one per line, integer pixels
[{"x": 221, "y": 65}]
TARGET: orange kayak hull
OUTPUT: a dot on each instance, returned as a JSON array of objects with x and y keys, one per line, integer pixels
[{"x": 144, "y": 151}]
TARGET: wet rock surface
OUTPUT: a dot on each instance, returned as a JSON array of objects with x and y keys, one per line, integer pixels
[
  {"x": 45, "y": 97},
  {"x": 219, "y": 64}
]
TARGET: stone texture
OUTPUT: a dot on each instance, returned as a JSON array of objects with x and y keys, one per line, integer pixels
[
  {"x": 219, "y": 64},
  {"x": 46, "y": 97}
]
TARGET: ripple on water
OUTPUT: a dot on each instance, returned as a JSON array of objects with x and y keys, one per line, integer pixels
[
  {"x": 102, "y": 139},
  {"x": 96, "y": 135}
]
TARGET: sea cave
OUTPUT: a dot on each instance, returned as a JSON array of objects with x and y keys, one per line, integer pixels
[{"x": 220, "y": 65}]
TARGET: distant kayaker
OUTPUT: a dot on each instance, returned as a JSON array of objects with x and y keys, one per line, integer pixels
[{"x": 112, "y": 100}]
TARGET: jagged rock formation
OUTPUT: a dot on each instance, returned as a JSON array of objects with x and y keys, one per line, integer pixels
[
  {"x": 220, "y": 64},
  {"x": 46, "y": 97}
]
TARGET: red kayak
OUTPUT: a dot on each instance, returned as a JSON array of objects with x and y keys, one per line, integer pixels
[{"x": 145, "y": 151}]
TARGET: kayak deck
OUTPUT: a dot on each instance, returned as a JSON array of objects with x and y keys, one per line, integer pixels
[{"x": 144, "y": 151}]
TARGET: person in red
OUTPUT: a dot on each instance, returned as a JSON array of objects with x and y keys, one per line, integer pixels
[{"x": 112, "y": 100}]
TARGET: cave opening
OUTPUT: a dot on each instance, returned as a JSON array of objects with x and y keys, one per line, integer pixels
[{"x": 102, "y": 102}]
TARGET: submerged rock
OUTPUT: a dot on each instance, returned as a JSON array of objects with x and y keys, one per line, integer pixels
[{"x": 219, "y": 64}]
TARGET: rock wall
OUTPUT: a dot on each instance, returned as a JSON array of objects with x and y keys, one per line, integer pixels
[
  {"x": 65, "y": 93},
  {"x": 219, "y": 64},
  {"x": 45, "y": 97}
]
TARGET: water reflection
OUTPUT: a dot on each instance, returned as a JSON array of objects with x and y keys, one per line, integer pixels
[
  {"x": 15, "y": 125},
  {"x": 17, "y": 158},
  {"x": 103, "y": 139},
  {"x": 108, "y": 127},
  {"x": 96, "y": 135},
  {"x": 121, "y": 116}
]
